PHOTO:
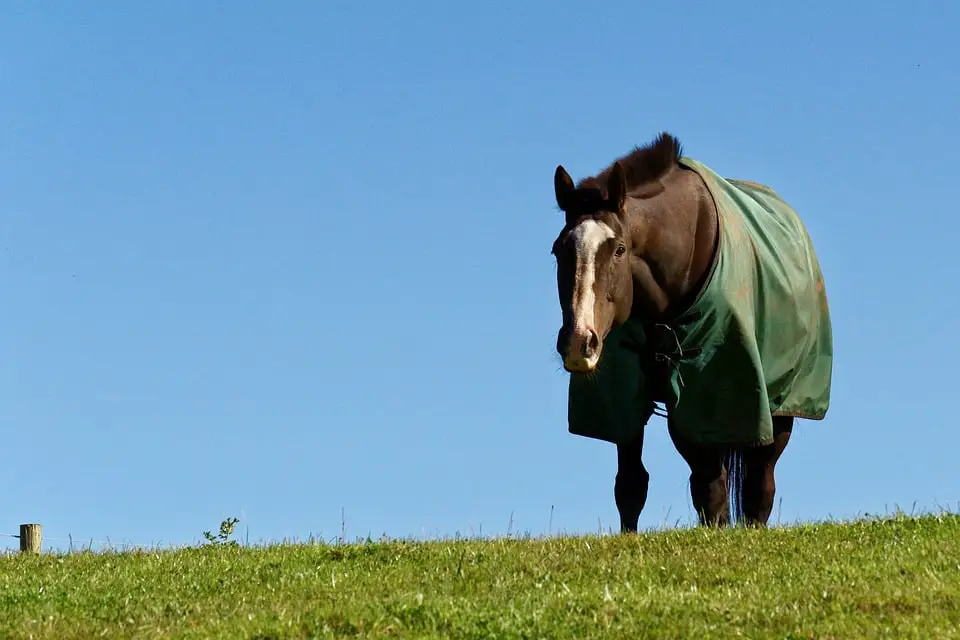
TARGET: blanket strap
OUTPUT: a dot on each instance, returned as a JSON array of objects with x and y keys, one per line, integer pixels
[{"x": 668, "y": 350}]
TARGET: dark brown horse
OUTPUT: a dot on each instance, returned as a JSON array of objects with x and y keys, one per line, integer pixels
[{"x": 639, "y": 242}]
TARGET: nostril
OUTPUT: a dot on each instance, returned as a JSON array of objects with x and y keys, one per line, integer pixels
[
  {"x": 592, "y": 345},
  {"x": 563, "y": 341}
]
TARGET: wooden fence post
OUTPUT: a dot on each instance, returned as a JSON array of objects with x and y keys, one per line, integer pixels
[{"x": 31, "y": 537}]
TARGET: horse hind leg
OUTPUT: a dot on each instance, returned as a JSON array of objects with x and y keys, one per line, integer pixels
[
  {"x": 708, "y": 479},
  {"x": 708, "y": 489},
  {"x": 758, "y": 485},
  {"x": 631, "y": 484}
]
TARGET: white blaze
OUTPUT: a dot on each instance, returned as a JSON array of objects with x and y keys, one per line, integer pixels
[{"x": 587, "y": 237}]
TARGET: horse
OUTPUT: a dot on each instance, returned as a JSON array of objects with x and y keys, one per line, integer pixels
[{"x": 700, "y": 296}]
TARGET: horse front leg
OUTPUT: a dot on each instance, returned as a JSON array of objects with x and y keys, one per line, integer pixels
[
  {"x": 759, "y": 481},
  {"x": 708, "y": 479},
  {"x": 631, "y": 484}
]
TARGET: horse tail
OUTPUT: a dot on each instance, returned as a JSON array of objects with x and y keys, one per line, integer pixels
[{"x": 735, "y": 471}]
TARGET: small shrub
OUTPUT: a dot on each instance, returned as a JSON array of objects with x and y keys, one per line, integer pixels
[{"x": 223, "y": 537}]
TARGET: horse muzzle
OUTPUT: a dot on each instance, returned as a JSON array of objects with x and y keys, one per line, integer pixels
[{"x": 579, "y": 349}]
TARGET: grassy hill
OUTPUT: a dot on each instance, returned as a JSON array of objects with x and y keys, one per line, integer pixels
[{"x": 897, "y": 578}]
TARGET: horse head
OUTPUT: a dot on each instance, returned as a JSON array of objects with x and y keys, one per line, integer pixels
[{"x": 594, "y": 280}]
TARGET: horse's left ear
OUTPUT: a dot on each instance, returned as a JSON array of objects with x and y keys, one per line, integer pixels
[{"x": 617, "y": 186}]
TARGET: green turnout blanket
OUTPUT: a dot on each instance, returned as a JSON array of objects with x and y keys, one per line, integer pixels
[{"x": 756, "y": 342}]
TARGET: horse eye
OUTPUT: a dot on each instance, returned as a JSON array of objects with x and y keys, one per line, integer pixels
[{"x": 620, "y": 250}]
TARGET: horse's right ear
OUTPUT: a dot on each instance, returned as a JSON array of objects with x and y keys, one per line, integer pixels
[{"x": 563, "y": 188}]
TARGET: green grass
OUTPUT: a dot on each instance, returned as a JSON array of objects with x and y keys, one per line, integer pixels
[{"x": 897, "y": 578}]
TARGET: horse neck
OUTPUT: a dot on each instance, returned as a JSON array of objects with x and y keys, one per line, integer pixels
[{"x": 674, "y": 234}]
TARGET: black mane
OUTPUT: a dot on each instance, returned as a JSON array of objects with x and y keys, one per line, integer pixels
[{"x": 641, "y": 166}]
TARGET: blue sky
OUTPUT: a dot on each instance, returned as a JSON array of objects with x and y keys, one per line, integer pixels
[{"x": 271, "y": 260}]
